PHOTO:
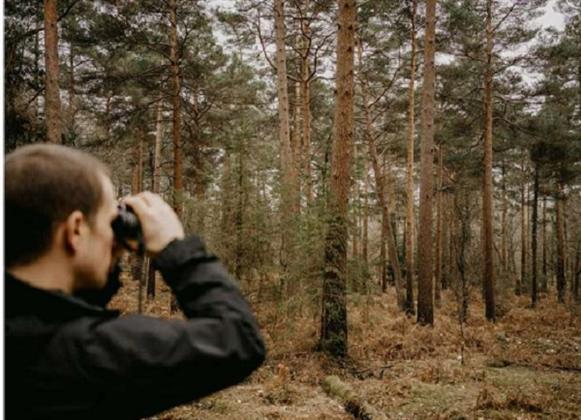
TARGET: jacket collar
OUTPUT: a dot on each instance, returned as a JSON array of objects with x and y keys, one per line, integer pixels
[{"x": 23, "y": 299}]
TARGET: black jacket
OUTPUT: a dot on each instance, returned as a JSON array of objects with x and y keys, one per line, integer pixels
[{"x": 66, "y": 359}]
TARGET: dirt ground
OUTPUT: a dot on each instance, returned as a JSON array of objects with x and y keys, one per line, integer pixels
[{"x": 525, "y": 366}]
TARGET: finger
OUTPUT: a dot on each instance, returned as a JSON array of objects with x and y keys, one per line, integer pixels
[
  {"x": 152, "y": 198},
  {"x": 138, "y": 204}
]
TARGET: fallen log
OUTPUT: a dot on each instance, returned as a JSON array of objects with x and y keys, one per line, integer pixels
[{"x": 353, "y": 403}]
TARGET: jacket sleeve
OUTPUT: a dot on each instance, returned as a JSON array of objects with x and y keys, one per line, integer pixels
[{"x": 144, "y": 365}]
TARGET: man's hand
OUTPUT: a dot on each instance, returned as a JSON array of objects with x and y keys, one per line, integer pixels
[{"x": 159, "y": 223}]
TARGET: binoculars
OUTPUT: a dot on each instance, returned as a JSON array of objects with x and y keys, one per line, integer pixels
[{"x": 126, "y": 227}]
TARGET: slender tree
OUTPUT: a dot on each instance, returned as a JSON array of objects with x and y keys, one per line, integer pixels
[
  {"x": 52, "y": 101},
  {"x": 334, "y": 315},
  {"x": 409, "y": 226},
  {"x": 488, "y": 246},
  {"x": 425, "y": 264},
  {"x": 439, "y": 222},
  {"x": 287, "y": 162}
]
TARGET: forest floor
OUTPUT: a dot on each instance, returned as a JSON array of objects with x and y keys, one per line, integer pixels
[{"x": 525, "y": 366}]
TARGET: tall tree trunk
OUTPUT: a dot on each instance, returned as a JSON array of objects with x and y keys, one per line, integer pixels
[
  {"x": 306, "y": 104},
  {"x": 296, "y": 145},
  {"x": 178, "y": 199},
  {"x": 534, "y": 237},
  {"x": 356, "y": 212},
  {"x": 365, "y": 240},
  {"x": 425, "y": 263},
  {"x": 487, "y": 236},
  {"x": 334, "y": 316},
  {"x": 521, "y": 281},
  {"x": 71, "y": 111},
  {"x": 37, "y": 81},
  {"x": 176, "y": 128},
  {"x": 446, "y": 227},
  {"x": 382, "y": 268},
  {"x": 439, "y": 216},
  {"x": 155, "y": 181},
  {"x": 577, "y": 272},
  {"x": 452, "y": 273},
  {"x": 504, "y": 250},
  {"x": 52, "y": 100},
  {"x": 560, "y": 229},
  {"x": 409, "y": 224},
  {"x": 287, "y": 166},
  {"x": 137, "y": 261},
  {"x": 239, "y": 218},
  {"x": 545, "y": 278}
]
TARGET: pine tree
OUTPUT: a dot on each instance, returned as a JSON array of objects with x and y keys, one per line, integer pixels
[
  {"x": 334, "y": 316},
  {"x": 425, "y": 267}
]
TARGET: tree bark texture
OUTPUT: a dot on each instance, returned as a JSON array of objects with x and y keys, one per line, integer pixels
[
  {"x": 487, "y": 234},
  {"x": 176, "y": 128},
  {"x": 289, "y": 198},
  {"x": 365, "y": 240},
  {"x": 178, "y": 196},
  {"x": 334, "y": 316},
  {"x": 409, "y": 223},
  {"x": 534, "y": 237},
  {"x": 521, "y": 281},
  {"x": 71, "y": 111},
  {"x": 156, "y": 180},
  {"x": 545, "y": 278},
  {"x": 425, "y": 261},
  {"x": 306, "y": 104},
  {"x": 503, "y": 233},
  {"x": 52, "y": 100},
  {"x": 439, "y": 220},
  {"x": 560, "y": 229}
]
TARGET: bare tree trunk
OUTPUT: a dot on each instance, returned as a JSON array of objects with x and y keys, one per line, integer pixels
[
  {"x": 365, "y": 244},
  {"x": 155, "y": 181},
  {"x": 383, "y": 250},
  {"x": 137, "y": 261},
  {"x": 439, "y": 215},
  {"x": 487, "y": 236},
  {"x": 176, "y": 129},
  {"x": 306, "y": 104},
  {"x": 37, "y": 81},
  {"x": 523, "y": 226},
  {"x": 176, "y": 87},
  {"x": 296, "y": 145},
  {"x": 545, "y": 278},
  {"x": 577, "y": 273},
  {"x": 287, "y": 165},
  {"x": 534, "y": 237},
  {"x": 425, "y": 264},
  {"x": 409, "y": 226},
  {"x": 357, "y": 210},
  {"x": 71, "y": 111},
  {"x": 446, "y": 227},
  {"x": 560, "y": 229},
  {"x": 52, "y": 100},
  {"x": 239, "y": 218},
  {"x": 334, "y": 316},
  {"x": 504, "y": 251}
]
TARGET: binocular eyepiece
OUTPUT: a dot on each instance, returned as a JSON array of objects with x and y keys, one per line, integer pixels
[{"x": 126, "y": 227}]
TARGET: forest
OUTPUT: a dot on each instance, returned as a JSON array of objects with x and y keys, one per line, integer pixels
[{"x": 394, "y": 184}]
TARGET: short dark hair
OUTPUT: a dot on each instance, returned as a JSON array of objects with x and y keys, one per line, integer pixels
[{"x": 44, "y": 184}]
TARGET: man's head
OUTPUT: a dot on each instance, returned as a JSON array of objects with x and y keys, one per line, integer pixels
[{"x": 59, "y": 200}]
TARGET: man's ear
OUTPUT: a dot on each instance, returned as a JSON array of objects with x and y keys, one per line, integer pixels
[{"x": 74, "y": 229}]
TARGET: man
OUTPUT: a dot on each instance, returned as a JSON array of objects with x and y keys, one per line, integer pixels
[{"x": 70, "y": 358}]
